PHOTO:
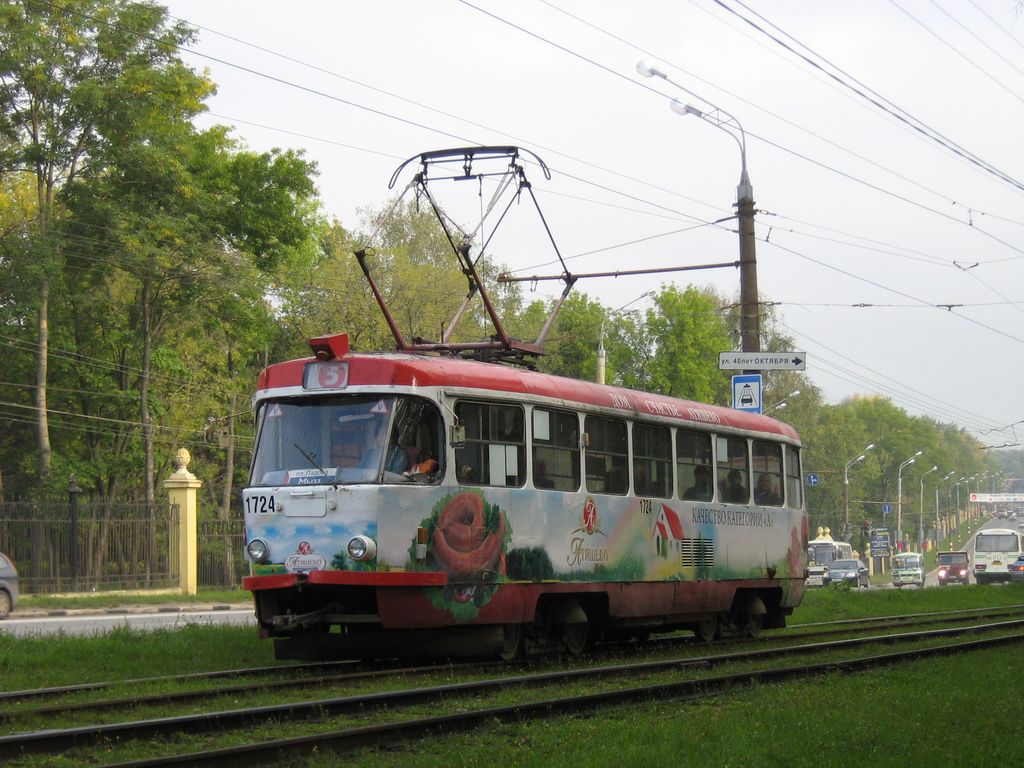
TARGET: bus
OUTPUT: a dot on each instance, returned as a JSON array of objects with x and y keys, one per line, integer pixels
[
  {"x": 399, "y": 502},
  {"x": 822, "y": 550},
  {"x": 908, "y": 568},
  {"x": 994, "y": 550}
]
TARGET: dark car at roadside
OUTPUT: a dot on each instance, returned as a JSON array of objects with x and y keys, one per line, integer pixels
[
  {"x": 8, "y": 586},
  {"x": 852, "y": 572}
]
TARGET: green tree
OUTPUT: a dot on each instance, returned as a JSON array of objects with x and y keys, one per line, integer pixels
[
  {"x": 73, "y": 75},
  {"x": 192, "y": 221},
  {"x": 413, "y": 265},
  {"x": 688, "y": 331},
  {"x": 572, "y": 346}
]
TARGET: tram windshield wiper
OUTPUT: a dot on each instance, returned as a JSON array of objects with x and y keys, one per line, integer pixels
[{"x": 310, "y": 458}]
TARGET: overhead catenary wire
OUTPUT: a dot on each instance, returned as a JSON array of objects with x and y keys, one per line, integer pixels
[{"x": 871, "y": 96}]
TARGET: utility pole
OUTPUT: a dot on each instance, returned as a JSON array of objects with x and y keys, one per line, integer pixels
[{"x": 750, "y": 326}]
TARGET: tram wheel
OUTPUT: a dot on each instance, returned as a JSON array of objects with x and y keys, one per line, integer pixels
[
  {"x": 512, "y": 641},
  {"x": 707, "y": 630},
  {"x": 753, "y": 623},
  {"x": 575, "y": 637}
]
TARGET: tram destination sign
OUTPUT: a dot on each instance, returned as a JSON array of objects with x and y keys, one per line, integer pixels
[{"x": 762, "y": 361}]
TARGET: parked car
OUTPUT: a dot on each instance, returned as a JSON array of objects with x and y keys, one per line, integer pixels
[
  {"x": 908, "y": 568},
  {"x": 8, "y": 586},
  {"x": 852, "y": 572},
  {"x": 1017, "y": 569},
  {"x": 953, "y": 566}
]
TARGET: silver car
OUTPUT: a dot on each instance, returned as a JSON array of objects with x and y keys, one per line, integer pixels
[{"x": 8, "y": 586}]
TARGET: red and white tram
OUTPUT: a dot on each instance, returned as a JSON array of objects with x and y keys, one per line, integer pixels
[{"x": 399, "y": 503}]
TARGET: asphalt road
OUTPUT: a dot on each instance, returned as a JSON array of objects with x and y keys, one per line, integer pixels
[{"x": 82, "y": 622}]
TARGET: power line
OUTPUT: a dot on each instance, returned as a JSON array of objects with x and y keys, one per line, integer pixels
[
  {"x": 958, "y": 52},
  {"x": 871, "y": 96},
  {"x": 880, "y": 166}
]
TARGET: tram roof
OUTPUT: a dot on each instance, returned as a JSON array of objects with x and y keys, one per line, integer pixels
[{"x": 403, "y": 369}]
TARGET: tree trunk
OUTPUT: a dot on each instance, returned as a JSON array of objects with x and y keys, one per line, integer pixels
[
  {"x": 229, "y": 473},
  {"x": 147, "y": 426},
  {"x": 43, "y": 425}
]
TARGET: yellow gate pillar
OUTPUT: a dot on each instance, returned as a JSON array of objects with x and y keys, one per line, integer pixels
[{"x": 181, "y": 491}]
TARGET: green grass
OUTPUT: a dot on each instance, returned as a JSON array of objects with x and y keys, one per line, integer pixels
[
  {"x": 833, "y": 604},
  {"x": 115, "y": 599},
  {"x": 891, "y": 718},
  {"x": 38, "y": 662},
  {"x": 894, "y": 717}
]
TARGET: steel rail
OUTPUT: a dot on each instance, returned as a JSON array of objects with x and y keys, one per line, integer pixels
[
  {"x": 60, "y": 739},
  {"x": 36, "y": 693},
  {"x": 913, "y": 619},
  {"x": 378, "y": 671},
  {"x": 396, "y": 733}
]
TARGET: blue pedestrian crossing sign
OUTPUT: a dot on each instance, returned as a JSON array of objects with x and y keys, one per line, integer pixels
[
  {"x": 746, "y": 392},
  {"x": 886, "y": 509}
]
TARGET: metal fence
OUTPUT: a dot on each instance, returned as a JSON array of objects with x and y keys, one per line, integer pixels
[
  {"x": 64, "y": 547},
  {"x": 222, "y": 561}
]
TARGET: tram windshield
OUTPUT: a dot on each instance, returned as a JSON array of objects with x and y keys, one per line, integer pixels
[{"x": 347, "y": 439}]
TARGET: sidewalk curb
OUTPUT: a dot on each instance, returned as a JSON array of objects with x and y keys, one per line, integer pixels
[{"x": 36, "y": 613}]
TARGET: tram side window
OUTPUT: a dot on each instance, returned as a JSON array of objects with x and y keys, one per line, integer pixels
[
  {"x": 418, "y": 434},
  {"x": 556, "y": 450},
  {"x": 767, "y": 473},
  {"x": 495, "y": 449},
  {"x": 733, "y": 470},
  {"x": 693, "y": 464},
  {"x": 794, "y": 488},
  {"x": 607, "y": 456},
  {"x": 652, "y": 461}
]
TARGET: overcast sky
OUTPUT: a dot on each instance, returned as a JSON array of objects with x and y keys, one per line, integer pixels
[{"x": 883, "y": 145}]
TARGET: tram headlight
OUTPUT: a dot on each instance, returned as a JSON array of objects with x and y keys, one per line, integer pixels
[
  {"x": 258, "y": 551},
  {"x": 362, "y": 549}
]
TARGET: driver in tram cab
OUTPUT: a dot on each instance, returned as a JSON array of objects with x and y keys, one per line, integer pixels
[{"x": 397, "y": 460}]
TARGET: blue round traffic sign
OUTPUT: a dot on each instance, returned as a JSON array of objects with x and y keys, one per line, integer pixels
[{"x": 813, "y": 479}]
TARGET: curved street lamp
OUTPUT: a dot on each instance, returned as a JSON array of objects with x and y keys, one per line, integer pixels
[
  {"x": 941, "y": 525},
  {"x": 899, "y": 495},
  {"x": 749, "y": 319},
  {"x": 782, "y": 403},
  {"x": 846, "y": 483},
  {"x": 920, "y": 533},
  {"x": 959, "y": 482}
]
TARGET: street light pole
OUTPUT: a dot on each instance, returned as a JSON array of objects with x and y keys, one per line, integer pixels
[
  {"x": 899, "y": 496},
  {"x": 958, "y": 483},
  {"x": 920, "y": 533},
  {"x": 846, "y": 483},
  {"x": 750, "y": 330},
  {"x": 939, "y": 526}
]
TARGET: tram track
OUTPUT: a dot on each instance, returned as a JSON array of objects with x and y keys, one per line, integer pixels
[
  {"x": 56, "y": 740},
  {"x": 351, "y": 672}
]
